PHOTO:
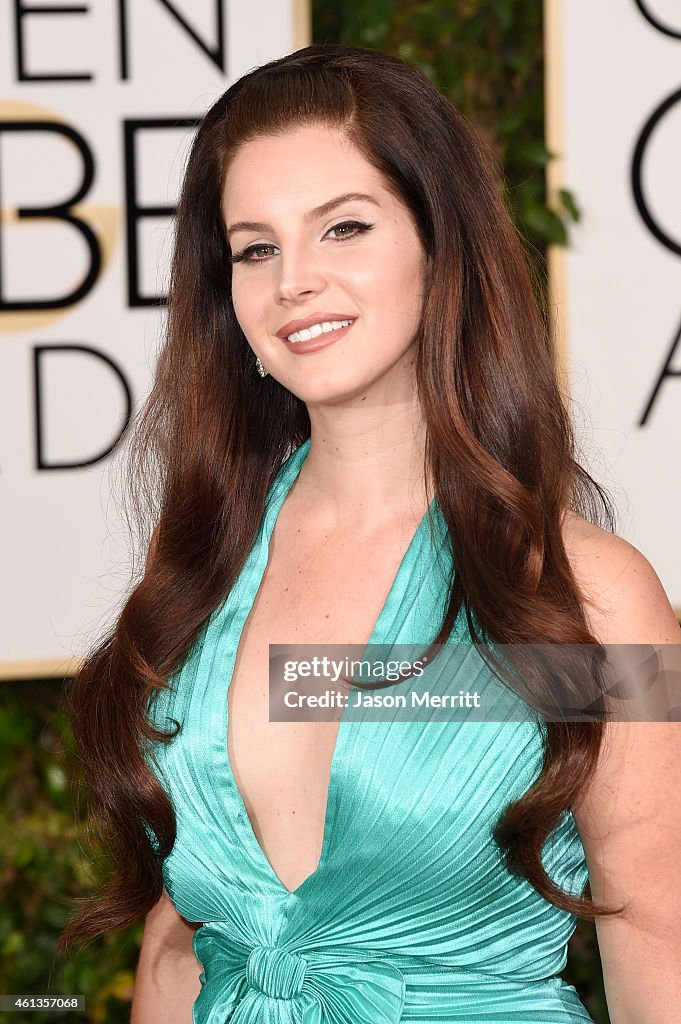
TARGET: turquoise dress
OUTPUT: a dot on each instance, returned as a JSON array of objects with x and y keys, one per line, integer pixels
[{"x": 410, "y": 914}]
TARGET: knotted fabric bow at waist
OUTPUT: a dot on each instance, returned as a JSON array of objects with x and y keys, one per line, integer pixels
[{"x": 279, "y": 985}]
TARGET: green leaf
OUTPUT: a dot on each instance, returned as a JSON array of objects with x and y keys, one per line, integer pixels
[
  {"x": 534, "y": 153},
  {"x": 569, "y": 205},
  {"x": 13, "y": 944},
  {"x": 511, "y": 122},
  {"x": 546, "y": 224}
]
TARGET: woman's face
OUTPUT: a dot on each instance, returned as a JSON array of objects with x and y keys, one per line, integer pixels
[{"x": 317, "y": 239}]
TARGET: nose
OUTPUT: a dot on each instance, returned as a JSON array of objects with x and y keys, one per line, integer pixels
[{"x": 300, "y": 274}]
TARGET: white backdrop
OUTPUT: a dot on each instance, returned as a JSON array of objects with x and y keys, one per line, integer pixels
[
  {"x": 74, "y": 86},
  {"x": 614, "y": 82}
]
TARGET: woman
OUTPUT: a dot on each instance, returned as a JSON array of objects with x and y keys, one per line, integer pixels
[{"x": 360, "y": 437}]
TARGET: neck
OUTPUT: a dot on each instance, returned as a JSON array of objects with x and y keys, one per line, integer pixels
[{"x": 365, "y": 465}]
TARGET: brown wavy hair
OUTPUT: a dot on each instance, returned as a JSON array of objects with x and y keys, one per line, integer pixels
[{"x": 212, "y": 435}]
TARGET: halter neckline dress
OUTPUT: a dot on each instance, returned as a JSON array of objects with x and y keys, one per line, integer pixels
[{"x": 410, "y": 914}]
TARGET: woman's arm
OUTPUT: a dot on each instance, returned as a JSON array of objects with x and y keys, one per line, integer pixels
[
  {"x": 630, "y": 817},
  {"x": 167, "y": 979}
]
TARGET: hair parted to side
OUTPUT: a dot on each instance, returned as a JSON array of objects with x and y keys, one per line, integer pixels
[{"x": 212, "y": 435}]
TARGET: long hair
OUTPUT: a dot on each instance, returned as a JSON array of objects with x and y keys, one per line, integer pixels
[{"x": 212, "y": 435}]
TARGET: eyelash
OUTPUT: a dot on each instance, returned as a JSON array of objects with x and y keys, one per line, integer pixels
[{"x": 245, "y": 257}]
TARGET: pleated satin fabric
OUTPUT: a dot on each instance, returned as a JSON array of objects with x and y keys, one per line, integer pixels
[{"x": 410, "y": 914}]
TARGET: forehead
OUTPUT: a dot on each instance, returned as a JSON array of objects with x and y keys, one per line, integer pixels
[{"x": 296, "y": 171}]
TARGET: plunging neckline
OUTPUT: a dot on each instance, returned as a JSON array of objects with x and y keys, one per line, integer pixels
[{"x": 248, "y": 585}]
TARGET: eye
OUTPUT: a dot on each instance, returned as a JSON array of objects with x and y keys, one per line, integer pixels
[
  {"x": 248, "y": 255},
  {"x": 350, "y": 229},
  {"x": 259, "y": 254}
]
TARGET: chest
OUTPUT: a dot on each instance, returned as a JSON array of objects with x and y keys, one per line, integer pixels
[{"x": 314, "y": 591}]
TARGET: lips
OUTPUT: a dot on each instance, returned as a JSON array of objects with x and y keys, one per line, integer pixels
[
  {"x": 314, "y": 318},
  {"x": 318, "y": 340}
]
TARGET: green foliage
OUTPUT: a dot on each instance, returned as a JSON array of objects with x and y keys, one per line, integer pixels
[
  {"x": 486, "y": 56},
  {"x": 46, "y": 861}
]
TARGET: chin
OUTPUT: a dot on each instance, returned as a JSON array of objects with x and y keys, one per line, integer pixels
[{"x": 331, "y": 391}]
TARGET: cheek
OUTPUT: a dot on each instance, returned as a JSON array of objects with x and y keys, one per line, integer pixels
[
  {"x": 404, "y": 284},
  {"x": 414, "y": 283},
  {"x": 247, "y": 302}
]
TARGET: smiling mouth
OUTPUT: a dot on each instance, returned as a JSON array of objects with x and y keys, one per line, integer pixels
[{"x": 316, "y": 330}]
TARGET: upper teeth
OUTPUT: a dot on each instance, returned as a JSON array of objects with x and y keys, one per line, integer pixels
[{"x": 317, "y": 329}]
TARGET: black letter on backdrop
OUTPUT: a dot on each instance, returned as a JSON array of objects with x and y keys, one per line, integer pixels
[
  {"x": 20, "y": 12},
  {"x": 655, "y": 22},
  {"x": 665, "y": 372},
  {"x": 666, "y": 240},
  {"x": 59, "y": 211},
  {"x": 133, "y": 211},
  {"x": 636, "y": 176},
  {"x": 216, "y": 53},
  {"x": 37, "y": 381}
]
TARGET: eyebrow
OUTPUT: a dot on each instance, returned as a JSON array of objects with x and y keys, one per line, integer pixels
[{"x": 319, "y": 211}]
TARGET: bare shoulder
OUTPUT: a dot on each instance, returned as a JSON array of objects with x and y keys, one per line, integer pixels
[
  {"x": 624, "y": 600},
  {"x": 627, "y": 816}
]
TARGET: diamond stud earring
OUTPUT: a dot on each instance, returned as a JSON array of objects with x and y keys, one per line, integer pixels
[{"x": 260, "y": 368}]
